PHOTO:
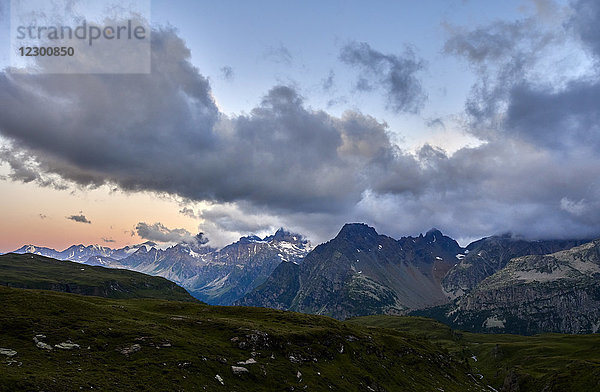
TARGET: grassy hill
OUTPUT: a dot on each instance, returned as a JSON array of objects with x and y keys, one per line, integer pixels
[
  {"x": 56, "y": 341},
  {"x": 39, "y": 272},
  {"x": 146, "y": 345},
  {"x": 547, "y": 362}
]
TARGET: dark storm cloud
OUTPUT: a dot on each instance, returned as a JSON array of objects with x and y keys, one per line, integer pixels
[
  {"x": 536, "y": 174},
  {"x": 512, "y": 98},
  {"x": 25, "y": 168},
  {"x": 285, "y": 164},
  {"x": 395, "y": 74},
  {"x": 160, "y": 233},
  {"x": 162, "y": 132},
  {"x": 562, "y": 117},
  {"x": 502, "y": 54},
  {"x": 90, "y": 128},
  {"x": 79, "y": 218},
  {"x": 564, "y": 120},
  {"x": 585, "y": 22}
]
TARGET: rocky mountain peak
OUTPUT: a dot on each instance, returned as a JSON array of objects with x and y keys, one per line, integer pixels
[
  {"x": 250, "y": 238},
  {"x": 357, "y": 232},
  {"x": 433, "y": 232},
  {"x": 283, "y": 235}
]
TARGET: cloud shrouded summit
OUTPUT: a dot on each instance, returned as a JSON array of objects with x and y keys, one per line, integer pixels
[{"x": 286, "y": 164}]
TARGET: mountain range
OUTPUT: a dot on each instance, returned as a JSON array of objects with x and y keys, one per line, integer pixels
[
  {"x": 558, "y": 292},
  {"x": 215, "y": 276},
  {"x": 361, "y": 272},
  {"x": 149, "y": 332}
]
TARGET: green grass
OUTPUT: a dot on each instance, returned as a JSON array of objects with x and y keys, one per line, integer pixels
[
  {"x": 548, "y": 362},
  {"x": 38, "y": 272},
  {"x": 185, "y": 345}
]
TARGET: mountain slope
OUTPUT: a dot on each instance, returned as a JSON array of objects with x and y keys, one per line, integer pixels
[
  {"x": 510, "y": 363},
  {"x": 39, "y": 272},
  {"x": 485, "y": 257},
  {"x": 154, "y": 345},
  {"x": 215, "y": 276},
  {"x": 360, "y": 272},
  {"x": 559, "y": 292},
  {"x": 219, "y": 277}
]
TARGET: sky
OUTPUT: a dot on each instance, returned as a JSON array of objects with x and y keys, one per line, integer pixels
[{"x": 474, "y": 117}]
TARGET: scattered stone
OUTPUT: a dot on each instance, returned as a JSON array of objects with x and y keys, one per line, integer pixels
[
  {"x": 237, "y": 370},
  {"x": 184, "y": 365},
  {"x": 43, "y": 346},
  {"x": 165, "y": 344},
  {"x": 299, "y": 375},
  {"x": 131, "y": 349},
  {"x": 222, "y": 360},
  {"x": 294, "y": 359},
  {"x": 8, "y": 352},
  {"x": 247, "y": 362},
  {"x": 219, "y": 379},
  {"x": 66, "y": 345},
  {"x": 39, "y": 344}
]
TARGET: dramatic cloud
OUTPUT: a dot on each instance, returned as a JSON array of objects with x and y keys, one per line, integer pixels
[
  {"x": 536, "y": 82},
  {"x": 395, "y": 74},
  {"x": 160, "y": 233},
  {"x": 286, "y": 164},
  {"x": 79, "y": 218},
  {"x": 585, "y": 22},
  {"x": 564, "y": 120},
  {"x": 165, "y": 134}
]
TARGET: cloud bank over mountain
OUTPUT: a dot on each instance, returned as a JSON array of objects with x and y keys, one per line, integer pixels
[{"x": 287, "y": 164}]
